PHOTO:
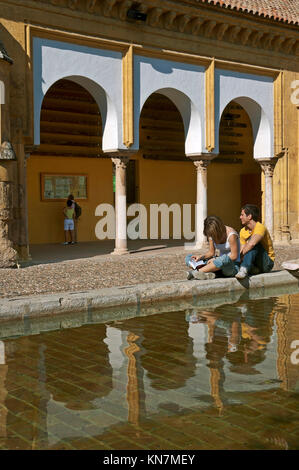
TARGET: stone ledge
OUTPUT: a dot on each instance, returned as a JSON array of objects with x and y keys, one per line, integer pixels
[{"x": 143, "y": 296}]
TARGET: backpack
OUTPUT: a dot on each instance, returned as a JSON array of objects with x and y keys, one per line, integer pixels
[{"x": 78, "y": 210}]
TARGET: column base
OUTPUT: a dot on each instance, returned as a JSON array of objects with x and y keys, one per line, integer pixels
[
  {"x": 23, "y": 253},
  {"x": 201, "y": 245},
  {"x": 8, "y": 257},
  {"x": 120, "y": 251}
]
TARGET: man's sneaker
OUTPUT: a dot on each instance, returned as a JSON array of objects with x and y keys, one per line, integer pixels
[
  {"x": 242, "y": 273},
  {"x": 65, "y": 243}
]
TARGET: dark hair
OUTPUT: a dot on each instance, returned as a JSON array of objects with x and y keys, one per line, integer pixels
[
  {"x": 251, "y": 209},
  {"x": 71, "y": 197},
  {"x": 69, "y": 202},
  {"x": 214, "y": 228}
]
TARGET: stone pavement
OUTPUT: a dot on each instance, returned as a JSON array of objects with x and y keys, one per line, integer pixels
[{"x": 89, "y": 266}]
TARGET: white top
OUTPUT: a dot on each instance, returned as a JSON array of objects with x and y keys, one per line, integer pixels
[{"x": 224, "y": 248}]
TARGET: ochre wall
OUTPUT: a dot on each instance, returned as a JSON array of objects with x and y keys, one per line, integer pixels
[
  {"x": 45, "y": 219},
  {"x": 286, "y": 174},
  {"x": 167, "y": 182},
  {"x": 224, "y": 179},
  {"x": 158, "y": 182}
]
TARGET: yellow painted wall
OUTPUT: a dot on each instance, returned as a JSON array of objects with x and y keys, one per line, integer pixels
[
  {"x": 45, "y": 219},
  {"x": 224, "y": 180},
  {"x": 167, "y": 182},
  {"x": 159, "y": 182},
  {"x": 224, "y": 190}
]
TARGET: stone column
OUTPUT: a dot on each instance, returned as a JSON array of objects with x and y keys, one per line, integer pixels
[
  {"x": 268, "y": 165},
  {"x": 120, "y": 205},
  {"x": 8, "y": 255},
  {"x": 201, "y": 163},
  {"x": 24, "y": 235}
]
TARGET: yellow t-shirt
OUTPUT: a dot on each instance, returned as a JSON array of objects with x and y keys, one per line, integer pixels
[
  {"x": 69, "y": 213},
  {"x": 266, "y": 241}
]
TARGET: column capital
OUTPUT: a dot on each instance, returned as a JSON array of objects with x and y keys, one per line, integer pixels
[
  {"x": 7, "y": 152},
  {"x": 202, "y": 160},
  {"x": 121, "y": 161},
  {"x": 268, "y": 165},
  {"x": 201, "y": 165}
]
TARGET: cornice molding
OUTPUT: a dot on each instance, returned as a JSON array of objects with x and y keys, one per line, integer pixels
[{"x": 192, "y": 18}]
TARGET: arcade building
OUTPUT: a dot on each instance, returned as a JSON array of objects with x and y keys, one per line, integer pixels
[{"x": 151, "y": 102}]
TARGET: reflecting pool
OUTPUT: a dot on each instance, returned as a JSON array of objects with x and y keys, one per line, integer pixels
[{"x": 202, "y": 377}]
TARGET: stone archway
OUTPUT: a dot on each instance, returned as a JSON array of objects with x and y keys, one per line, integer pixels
[
  {"x": 189, "y": 115},
  {"x": 70, "y": 123},
  {"x": 70, "y": 155},
  {"x": 166, "y": 175}
]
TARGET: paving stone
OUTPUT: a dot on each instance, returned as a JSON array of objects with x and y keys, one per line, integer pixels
[{"x": 103, "y": 271}]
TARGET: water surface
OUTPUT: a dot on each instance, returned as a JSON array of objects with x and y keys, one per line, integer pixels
[{"x": 205, "y": 377}]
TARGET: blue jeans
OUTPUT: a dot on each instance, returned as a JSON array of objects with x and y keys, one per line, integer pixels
[
  {"x": 228, "y": 267},
  {"x": 258, "y": 257}
]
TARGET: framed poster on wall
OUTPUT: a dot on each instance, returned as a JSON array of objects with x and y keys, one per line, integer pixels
[{"x": 57, "y": 187}]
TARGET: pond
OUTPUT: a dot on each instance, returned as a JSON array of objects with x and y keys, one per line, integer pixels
[{"x": 202, "y": 376}]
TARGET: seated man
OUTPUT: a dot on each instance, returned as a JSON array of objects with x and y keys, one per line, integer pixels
[{"x": 257, "y": 254}]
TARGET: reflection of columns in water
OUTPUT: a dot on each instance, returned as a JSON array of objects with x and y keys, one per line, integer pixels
[
  {"x": 281, "y": 321},
  {"x": 215, "y": 382},
  {"x": 132, "y": 386},
  {"x": 120, "y": 206},
  {"x": 287, "y": 332},
  {"x": 3, "y": 391},
  {"x": 216, "y": 378}
]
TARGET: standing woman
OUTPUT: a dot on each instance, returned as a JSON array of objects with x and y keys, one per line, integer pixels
[
  {"x": 76, "y": 217},
  {"x": 224, "y": 239}
]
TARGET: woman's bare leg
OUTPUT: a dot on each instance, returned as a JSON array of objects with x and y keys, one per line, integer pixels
[{"x": 209, "y": 268}]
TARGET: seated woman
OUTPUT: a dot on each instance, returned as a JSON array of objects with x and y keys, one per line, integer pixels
[{"x": 224, "y": 239}]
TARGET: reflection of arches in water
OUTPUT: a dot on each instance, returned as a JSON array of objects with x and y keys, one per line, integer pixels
[
  {"x": 215, "y": 352},
  {"x": 77, "y": 366},
  {"x": 167, "y": 351}
]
